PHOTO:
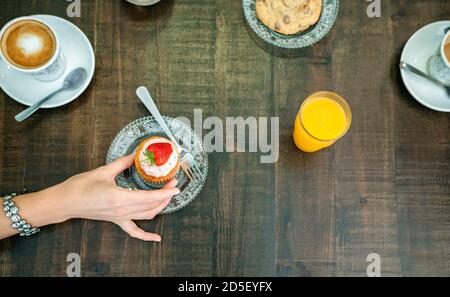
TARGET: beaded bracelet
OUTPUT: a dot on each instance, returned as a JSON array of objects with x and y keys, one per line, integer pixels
[{"x": 18, "y": 223}]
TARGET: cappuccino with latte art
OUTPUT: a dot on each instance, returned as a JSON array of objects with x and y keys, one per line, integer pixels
[{"x": 28, "y": 44}]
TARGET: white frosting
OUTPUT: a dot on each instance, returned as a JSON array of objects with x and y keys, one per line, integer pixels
[
  {"x": 30, "y": 44},
  {"x": 158, "y": 171}
]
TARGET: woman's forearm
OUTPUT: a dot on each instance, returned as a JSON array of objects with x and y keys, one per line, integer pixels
[
  {"x": 93, "y": 195},
  {"x": 38, "y": 209}
]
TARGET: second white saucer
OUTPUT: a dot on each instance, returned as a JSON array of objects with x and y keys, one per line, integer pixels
[
  {"x": 418, "y": 50},
  {"x": 77, "y": 51}
]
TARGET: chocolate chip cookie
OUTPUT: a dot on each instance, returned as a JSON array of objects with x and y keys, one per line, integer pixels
[{"x": 289, "y": 17}]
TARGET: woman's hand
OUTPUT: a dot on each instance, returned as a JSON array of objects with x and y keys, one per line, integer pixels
[{"x": 94, "y": 195}]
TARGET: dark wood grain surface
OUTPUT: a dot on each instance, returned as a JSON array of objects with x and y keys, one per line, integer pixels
[{"x": 384, "y": 188}]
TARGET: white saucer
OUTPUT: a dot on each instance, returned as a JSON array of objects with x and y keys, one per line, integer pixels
[
  {"x": 78, "y": 53},
  {"x": 418, "y": 50}
]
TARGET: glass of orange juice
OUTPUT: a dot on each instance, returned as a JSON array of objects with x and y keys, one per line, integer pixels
[{"x": 323, "y": 119}]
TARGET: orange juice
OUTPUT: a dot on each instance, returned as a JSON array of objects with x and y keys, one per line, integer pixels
[{"x": 323, "y": 119}]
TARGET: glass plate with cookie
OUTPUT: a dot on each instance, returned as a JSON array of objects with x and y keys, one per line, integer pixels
[{"x": 291, "y": 24}]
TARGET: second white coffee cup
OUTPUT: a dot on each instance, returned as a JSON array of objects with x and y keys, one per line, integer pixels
[{"x": 439, "y": 64}]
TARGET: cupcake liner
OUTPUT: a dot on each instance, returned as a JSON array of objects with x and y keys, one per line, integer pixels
[{"x": 146, "y": 184}]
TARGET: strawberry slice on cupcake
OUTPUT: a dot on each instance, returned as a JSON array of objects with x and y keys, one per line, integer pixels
[{"x": 159, "y": 153}]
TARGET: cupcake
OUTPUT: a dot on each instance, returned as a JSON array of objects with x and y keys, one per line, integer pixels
[{"x": 157, "y": 160}]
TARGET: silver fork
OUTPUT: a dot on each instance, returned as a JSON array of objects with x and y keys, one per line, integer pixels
[
  {"x": 191, "y": 167},
  {"x": 188, "y": 163}
]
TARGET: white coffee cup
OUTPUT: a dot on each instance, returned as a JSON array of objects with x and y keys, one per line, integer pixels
[
  {"x": 143, "y": 2},
  {"x": 52, "y": 69},
  {"x": 439, "y": 64},
  {"x": 445, "y": 41}
]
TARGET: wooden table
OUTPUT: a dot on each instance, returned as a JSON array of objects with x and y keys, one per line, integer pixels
[{"x": 385, "y": 188}]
